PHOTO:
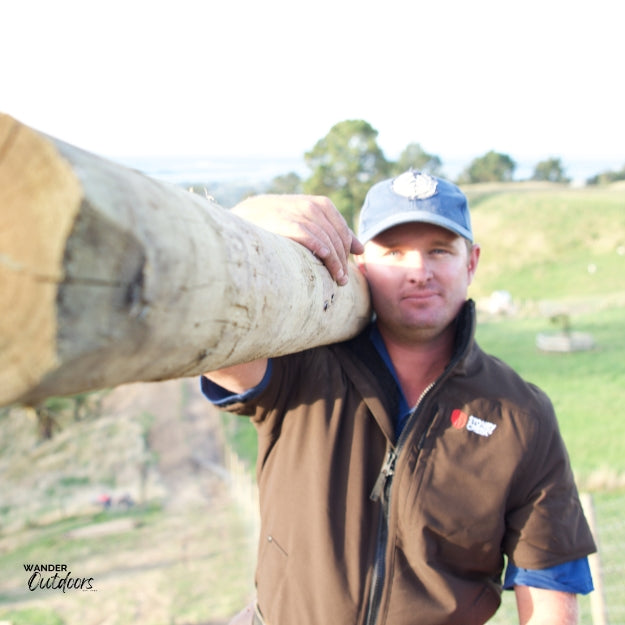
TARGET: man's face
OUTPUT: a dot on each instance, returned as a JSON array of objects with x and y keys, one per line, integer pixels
[{"x": 418, "y": 274}]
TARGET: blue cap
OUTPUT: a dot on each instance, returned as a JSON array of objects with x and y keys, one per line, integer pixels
[{"x": 414, "y": 197}]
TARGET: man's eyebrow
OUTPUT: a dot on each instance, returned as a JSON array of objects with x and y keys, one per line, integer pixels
[
  {"x": 395, "y": 241},
  {"x": 444, "y": 240}
]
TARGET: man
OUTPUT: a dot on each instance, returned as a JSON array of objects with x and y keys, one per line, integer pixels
[{"x": 397, "y": 469}]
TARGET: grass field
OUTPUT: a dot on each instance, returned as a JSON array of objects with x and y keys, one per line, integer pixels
[
  {"x": 549, "y": 242},
  {"x": 164, "y": 568}
]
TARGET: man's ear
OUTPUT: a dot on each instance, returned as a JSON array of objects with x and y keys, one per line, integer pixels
[{"x": 474, "y": 257}]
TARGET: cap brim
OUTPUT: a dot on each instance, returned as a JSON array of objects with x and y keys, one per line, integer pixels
[{"x": 414, "y": 217}]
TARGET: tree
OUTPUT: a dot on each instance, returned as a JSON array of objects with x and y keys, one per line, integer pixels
[
  {"x": 550, "y": 170},
  {"x": 492, "y": 167},
  {"x": 344, "y": 164},
  {"x": 286, "y": 183},
  {"x": 607, "y": 177},
  {"x": 415, "y": 157}
]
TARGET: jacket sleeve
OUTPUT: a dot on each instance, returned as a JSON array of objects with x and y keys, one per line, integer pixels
[
  {"x": 545, "y": 521},
  {"x": 224, "y": 399},
  {"x": 276, "y": 393}
]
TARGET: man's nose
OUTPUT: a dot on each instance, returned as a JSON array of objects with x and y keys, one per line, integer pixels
[{"x": 417, "y": 266}]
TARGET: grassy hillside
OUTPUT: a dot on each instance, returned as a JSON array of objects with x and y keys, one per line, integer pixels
[
  {"x": 548, "y": 242},
  {"x": 183, "y": 553}
]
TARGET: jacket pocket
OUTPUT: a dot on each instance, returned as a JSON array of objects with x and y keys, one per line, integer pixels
[
  {"x": 272, "y": 573},
  {"x": 272, "y": 541}
]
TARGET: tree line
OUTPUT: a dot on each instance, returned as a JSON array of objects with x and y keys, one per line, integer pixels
[{"x": 348, "y": 160}]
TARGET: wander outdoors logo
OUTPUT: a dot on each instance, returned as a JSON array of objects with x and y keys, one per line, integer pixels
[{"x": 56, "y": 577}]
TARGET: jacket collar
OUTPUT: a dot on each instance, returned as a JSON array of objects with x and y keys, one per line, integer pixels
[{"x": 465, "y": 337}]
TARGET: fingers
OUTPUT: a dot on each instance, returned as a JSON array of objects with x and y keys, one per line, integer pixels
[
  {"x": 357, "y": 247},
  {"x": 312, "y": 221},
  {"x": 327, "y": 246},
  {"x": 330, "y": 238}
]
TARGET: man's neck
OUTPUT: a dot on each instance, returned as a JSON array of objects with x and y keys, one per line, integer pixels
[{"x": 418, "y": 364}]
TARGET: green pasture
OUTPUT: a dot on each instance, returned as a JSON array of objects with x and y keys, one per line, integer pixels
[
  {"x": 170, "y": 567},
  {"x": 545, "y": 242}
]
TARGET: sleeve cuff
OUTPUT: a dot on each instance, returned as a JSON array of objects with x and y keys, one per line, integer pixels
[
  {"x": 573, "y": 576},
  {"x": 220, "y": 396}
]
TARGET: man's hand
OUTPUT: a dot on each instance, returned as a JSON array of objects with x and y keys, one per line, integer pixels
[{"x": 311, "y": 220}]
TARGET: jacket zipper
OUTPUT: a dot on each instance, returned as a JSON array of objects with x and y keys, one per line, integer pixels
[{"x": 382, "y": 492}]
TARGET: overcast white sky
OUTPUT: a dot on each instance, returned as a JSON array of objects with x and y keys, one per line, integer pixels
[{"x": 532, "y": 79}]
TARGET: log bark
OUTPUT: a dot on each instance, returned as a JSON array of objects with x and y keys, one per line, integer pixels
[{"x": 108, "y": 276}]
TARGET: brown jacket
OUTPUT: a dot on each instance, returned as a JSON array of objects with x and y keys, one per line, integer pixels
[{"x": 480, "y": 471}]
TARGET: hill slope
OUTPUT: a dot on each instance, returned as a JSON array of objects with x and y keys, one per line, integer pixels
[
  {"x": 547, "y": 241},
  {"x": 183, "y": 553}
]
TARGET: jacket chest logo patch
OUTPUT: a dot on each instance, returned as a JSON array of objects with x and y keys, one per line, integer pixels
[{"x": 461, "y": 420}]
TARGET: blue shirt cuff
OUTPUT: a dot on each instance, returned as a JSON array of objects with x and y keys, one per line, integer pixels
[
  {"x": 220, "y": 396},
  {"x": 573, "y": 576}
]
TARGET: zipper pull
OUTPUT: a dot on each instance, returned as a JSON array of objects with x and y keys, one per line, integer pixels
[{"x": 386, "y": 472}]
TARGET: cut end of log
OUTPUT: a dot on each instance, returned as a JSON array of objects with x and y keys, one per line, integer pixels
[{"x": 39, "y": 199}]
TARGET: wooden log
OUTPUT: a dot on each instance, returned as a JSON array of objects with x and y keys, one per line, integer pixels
[{"x": 108, "y": 276}]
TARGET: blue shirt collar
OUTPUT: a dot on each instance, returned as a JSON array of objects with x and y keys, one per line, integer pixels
[{"x": 404, "y": 408}]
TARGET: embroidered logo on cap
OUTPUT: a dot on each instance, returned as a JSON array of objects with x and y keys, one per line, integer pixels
[
  {"x": 460, "y": 420},
  {"x": 415, "y": 185}
]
